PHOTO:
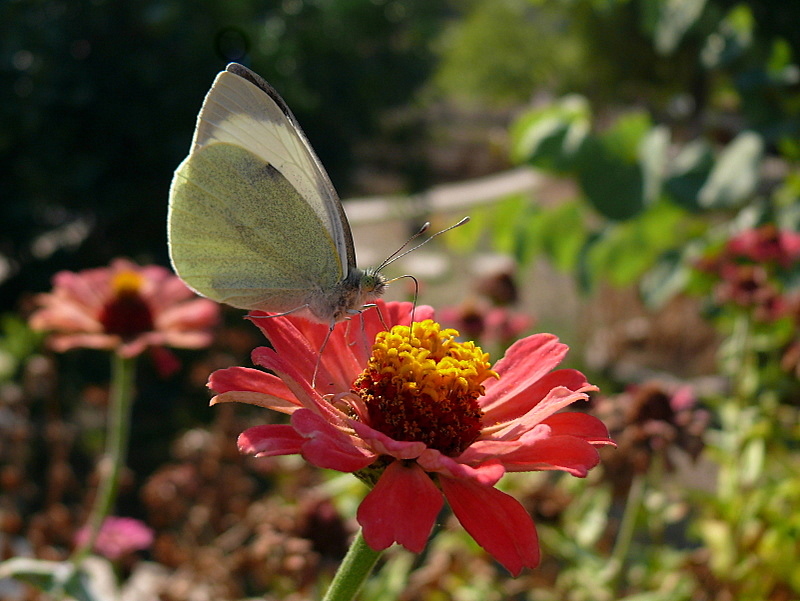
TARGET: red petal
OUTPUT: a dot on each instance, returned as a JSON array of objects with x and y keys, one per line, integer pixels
[
  {"x": 487, "y": 472},
  {"x": 582, "y": 425},
  {"x": 286, "y": 368},
  {"x": 247, "y": 378},
  {"x": 305, "y": 343},
  {"x": 536, "y": 355},
  {"x": 401, "y": 508},
  {"x": 496, "y": 521},
  {"x": 567, "y": 453},
  {"x": 384, "y": 445},
  {"x": 328, "y": 447},
  {"x": 517, "y": 393},
  {"x": 525, "y": 363},
  {"x": 270, "y": 440},
  {"x": 555, "y": 401}
]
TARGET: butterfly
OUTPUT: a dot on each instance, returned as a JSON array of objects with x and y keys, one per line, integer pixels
[{"x": 254, "y": 221}]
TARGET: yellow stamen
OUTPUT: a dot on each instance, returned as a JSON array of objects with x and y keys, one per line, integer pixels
[
  {"x": 126, "y": 283},
  {"x": 422, "y": 384}
]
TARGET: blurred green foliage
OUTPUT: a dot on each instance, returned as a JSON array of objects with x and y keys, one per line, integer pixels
[
  {"x": 653, "y": 180},
  {"x": 506, "y": 50}
]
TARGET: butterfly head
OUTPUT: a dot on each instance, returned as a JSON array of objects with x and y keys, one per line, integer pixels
[{"x": 373, "y": 284}]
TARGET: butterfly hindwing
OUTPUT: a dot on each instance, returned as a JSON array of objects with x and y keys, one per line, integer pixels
[{"x": 241, "y": 234}]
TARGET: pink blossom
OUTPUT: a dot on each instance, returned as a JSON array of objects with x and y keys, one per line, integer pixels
[
  {"x": 123, "y": 307},
  {"x": 118, "y": 537},
  {"x": 766, "y": 243}
]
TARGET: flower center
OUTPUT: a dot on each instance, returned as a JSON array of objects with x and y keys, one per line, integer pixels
[
  {"x": 126, "y": 313},
  {"x": 421, "y": 384}
]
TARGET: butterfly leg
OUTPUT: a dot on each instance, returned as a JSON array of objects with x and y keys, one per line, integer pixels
[{"x": 319, "y": 355}]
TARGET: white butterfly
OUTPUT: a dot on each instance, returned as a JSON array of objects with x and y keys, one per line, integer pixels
[{"x": 254, "y": 221}]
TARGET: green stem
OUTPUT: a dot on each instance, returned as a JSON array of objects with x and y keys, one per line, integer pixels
[
  {"x": 627, "y": 528},
  {"x": 113, "y": 460},
  {"x": 356, "y": 567},
  {"x": 743, "y": 370}
]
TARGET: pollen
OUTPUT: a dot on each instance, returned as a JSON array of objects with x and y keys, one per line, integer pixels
[{"x": 422, "y": 384}]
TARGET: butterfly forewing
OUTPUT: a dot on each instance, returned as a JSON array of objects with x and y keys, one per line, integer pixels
[{"x": 241, "y": 108}]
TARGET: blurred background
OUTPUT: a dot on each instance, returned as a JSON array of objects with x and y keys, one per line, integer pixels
[
  {"x": 602, "y": 148},
  {"x": 99, "y": 98}
]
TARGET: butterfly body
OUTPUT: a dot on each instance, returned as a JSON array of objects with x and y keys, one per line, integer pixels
[{"x": 254, "y": 221}]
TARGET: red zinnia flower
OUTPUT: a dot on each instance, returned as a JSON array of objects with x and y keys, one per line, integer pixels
[
  {"x": 419, "y": 416},
  {"x": 124, "y": 307}
]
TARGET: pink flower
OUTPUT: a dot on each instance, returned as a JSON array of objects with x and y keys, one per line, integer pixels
[
  {"x": 419, "y": 417},
  {"x": 489, "y": 324},
  {"x": 766, "y": 243},
  {"x": 124, "y": 307},
  {"x": 118, "y": 537}
]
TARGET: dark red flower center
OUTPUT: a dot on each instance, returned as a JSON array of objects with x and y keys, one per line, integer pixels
[{"x": 126, "y": 313}]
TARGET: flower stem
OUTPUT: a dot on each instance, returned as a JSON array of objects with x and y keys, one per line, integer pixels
[
  {"x": 113, "y": 460},
  {"x": 356, "y": 567},
  {"x": 627, "y": 528}
]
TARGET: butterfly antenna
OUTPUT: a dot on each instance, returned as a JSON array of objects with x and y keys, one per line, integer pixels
[
  {"x": 394, "y": 255},
  {"x": 398, "y": 255},
  {"x": 414, "y": 302}
]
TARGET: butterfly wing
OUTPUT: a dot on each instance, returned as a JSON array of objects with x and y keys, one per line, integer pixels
[
  {"x": 245, "y": 110},
  {"x": 253, "y": 219},
  {"x": 242, "y": 235}
]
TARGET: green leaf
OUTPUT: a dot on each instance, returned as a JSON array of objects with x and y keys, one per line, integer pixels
[
  {"x": 625, "y": 136},
  {"x": 58, "y": 578},
  {"x": 609, "y": 170},
  {"x": 507, "y": 221},
  {"x": 752, "y": 461},
  {"x": 735, "y": 175},
  {"x": 563, "y": 234},
  {"x": 687, "y": 174},
  {"x": 465, "y": 239},
  {"x": 550, "y": 137},
  {"x": 733, "y": 37},
  {"x": 674, "y": 19},
  {"x": 623, "y": 252},
  {"x": 668, "y": 277},
  {"x": 613, "y": 186},
  {"x": 505, "y": 225},
  {"x": 653, "y": 160}
]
